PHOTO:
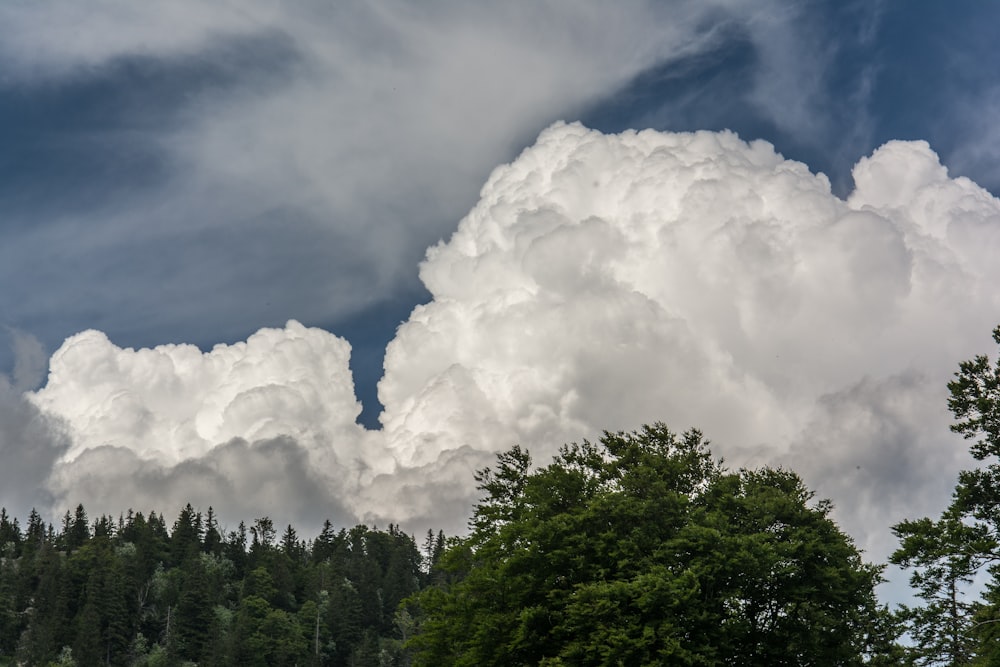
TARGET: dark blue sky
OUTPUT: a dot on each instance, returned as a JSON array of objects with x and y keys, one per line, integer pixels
[{"x": 110, "y": 218}]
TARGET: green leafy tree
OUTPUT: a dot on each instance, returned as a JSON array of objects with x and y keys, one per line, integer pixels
[
  {"x": 267, "y": 636},
  {"x": 644, "y": 550}
]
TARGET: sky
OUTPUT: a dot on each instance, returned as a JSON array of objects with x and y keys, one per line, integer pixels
[{"x": 315, "y": 260}]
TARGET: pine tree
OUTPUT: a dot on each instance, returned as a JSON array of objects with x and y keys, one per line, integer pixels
[
  {"x": 194, "y": 611},
  {"x": 950, "y": 628},
  {"x": 48, "y": 617},
  {"x": 185, "y": 539},
  {"x": 212, "y": 541},
  {"x": 10, "y": 621},
  {"x": 78, "y": 530},
  {"x": 235, "y": 549},
  {"x": 10, "y": 533}
]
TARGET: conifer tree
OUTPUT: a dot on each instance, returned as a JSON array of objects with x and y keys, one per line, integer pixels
[{"x": 952, "y": 627}]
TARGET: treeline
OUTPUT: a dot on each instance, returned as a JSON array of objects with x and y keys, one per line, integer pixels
[
  {"x": 134, "y": 591},
  {"x": 640, "y": 549}
]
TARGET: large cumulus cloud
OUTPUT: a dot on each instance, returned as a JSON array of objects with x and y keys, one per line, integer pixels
[
  {"x": 606, "y": 281},
  {"x": 602, "y": 281}
]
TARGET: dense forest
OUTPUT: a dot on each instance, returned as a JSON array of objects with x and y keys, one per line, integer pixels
[
  {"x": 640, "y": 549},
  {"x": 132, "y": 590}
]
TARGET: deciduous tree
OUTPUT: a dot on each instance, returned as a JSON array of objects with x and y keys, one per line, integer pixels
[{"x": 642, "y": 549}]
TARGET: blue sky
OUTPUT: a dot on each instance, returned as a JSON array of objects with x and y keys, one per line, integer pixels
[
  {"x": 183, "y": 174},
  {"x": 88, "y": 162}
]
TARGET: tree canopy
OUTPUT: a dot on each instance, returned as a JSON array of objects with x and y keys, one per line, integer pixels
[{"x": 642, "y": 549}]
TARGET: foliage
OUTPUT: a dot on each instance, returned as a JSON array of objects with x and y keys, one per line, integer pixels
[
  {"x": 132, "y": 592},
  {"x": 643, "y": 550},
  {"x": 947, "y": 555}
]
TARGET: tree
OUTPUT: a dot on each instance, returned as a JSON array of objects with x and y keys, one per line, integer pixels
[
  {"x": 941, "y": 628},
  {"x": 235, "y": 549},
  {"x": 947, "y": 555},
  {"x": 185, "y": 539},
  {"x": 48, "y": 618},
  {"x": 76, "y": 531},
  {"x": 193, "y": 613},
  {"x": 128, "y": 592},
  {"x": 266, "y": 636},
  {"x": 642, "y": 549},
  {"x": 212, "y": 542},
  {"x": 263, "y": 535},
  {"x": 10, "y": 618},
  {"x": 325, "y": 544},
  {"x": 10, "y": 531}
]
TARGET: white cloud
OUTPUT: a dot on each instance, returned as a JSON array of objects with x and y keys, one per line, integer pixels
[
  {"x": 265, "y": 426},
  {"x": 174, "y": 402},
  {"x": 602, "y": 281},
  {"x": 606, "y": 281}
]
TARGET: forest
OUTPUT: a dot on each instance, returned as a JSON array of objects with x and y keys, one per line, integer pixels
[
  {"x": 137, "y": 591},
  {"x": 638, "y": 549}
]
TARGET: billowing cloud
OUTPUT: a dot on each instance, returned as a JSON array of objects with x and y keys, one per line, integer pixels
[
  {"x": 268, "y": 425},
  {"x": 173, "y": 402},
  {"x": 606, "y": 281},
  {"x": 601, "y": 282}
]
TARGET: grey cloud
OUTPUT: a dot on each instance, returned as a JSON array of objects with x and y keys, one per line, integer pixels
[
  {"x": 30, "y": 444},
  {"x": 438, "y": 494},
  {"x": 881, "y": 448},
  {"x": 30, "y": 360},
  {"x": 241, "y": 480}
]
